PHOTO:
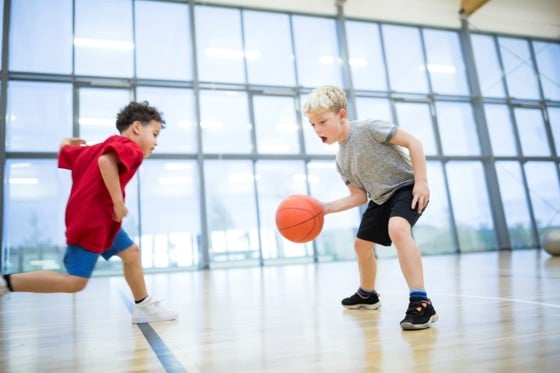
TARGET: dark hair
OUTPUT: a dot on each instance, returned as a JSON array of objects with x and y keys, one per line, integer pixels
[{"x": 138, "y": 111}]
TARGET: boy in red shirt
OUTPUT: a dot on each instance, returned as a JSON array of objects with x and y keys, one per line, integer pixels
[{"x": 95, "y": 211}]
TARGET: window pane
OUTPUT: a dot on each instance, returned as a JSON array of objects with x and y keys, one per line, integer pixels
[
  {"x": 542, "y": 178},
  {"x": 163, "y": 52},
  {"x": 488, "y": 66},
  {"x": 518, "y": 68},
  {"x": 313, "y": 144},
  {"x": 268, "y": 48},
  {"x": 433, "y": 232},
  {"x": 170, "y": 214},
  {"x": 98, "y": 112},
  {"x": 512, "y": 192},
  {"x": 231, "y": 212},
  {"x": 471, "y": 206},
  {"x": 531, "y": 132},
  {"x": 416, "y": 119},
  {"x": 548, "y": 62},
  {"x": 374, "y": 108},
  {"x": 445, "y": 62},
  {"x": 276, "y": 125},
  {"x": 219, "y": 46},
  {"x": 39, "y": 116},
  {"x": 500, "y": 129},
  {"x": 339, "y": 229},
  {"x": 365, "y": 56},
  {"x": 41, "y": 36},
  {"x": 317, "y": 56},
  {"x": 35, "y": 194},
  {"x": 554, "y": 117},
  {"x": 276, "y": 180},
  {"x": 407, "y": 72},
  {"x": 177, "y": 106},
  {"x": 104, "y": 43},
  {"x": 225, "y": 122},
  {"x": 457, "y": 128}
]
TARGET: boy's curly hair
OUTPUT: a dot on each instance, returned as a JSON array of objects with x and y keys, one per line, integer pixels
[
  {"x": 138, "y": 111},
  {"x": 325, "y": 98}
]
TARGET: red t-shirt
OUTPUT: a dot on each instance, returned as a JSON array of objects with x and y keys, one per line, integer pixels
[{"x": 89, "y": 212}]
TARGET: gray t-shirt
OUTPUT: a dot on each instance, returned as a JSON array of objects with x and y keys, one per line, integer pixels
[{"x": 368, "y": 161}]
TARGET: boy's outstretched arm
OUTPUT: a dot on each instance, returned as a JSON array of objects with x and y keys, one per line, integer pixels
[
  {"x": 357, "y": 197},
  {"x": 108, "y": 166}
]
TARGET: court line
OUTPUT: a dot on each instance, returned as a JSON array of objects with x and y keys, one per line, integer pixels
[
  {"x": 501, "y": 299},
  {"x": 167, "y": 359}
]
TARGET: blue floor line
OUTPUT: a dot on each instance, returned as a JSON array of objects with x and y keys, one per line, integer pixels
[{"x": 168, "y": 360}]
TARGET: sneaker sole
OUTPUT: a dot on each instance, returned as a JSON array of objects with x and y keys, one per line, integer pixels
[
  {"x": 374, "y": 306},
  {"x": 410, "y": 326},
  {"x": 148, "y": 320}
]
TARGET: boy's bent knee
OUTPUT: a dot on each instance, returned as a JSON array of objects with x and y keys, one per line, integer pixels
[
  {"x": 76, "y": 283},
  {"x": 399, "y": 229},
  {"x": 131, "y": 254}
]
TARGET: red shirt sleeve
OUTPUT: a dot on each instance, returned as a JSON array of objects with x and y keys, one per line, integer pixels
[
  {"x": 68, "y": 155},
  {"x": 130, "y": 157}
]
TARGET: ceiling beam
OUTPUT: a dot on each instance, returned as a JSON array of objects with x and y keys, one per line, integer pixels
[{"x": 468, "y": 7}]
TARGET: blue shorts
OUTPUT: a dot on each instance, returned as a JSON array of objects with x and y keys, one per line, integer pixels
[{"x": 81, "y": 262}]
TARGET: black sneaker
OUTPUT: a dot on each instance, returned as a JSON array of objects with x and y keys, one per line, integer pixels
[
  {"x": 419, "y": 315},
  {"x": 356, "y": 301}
]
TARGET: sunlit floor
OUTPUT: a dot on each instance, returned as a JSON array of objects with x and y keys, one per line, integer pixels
[{"x": 498, "y": 312}]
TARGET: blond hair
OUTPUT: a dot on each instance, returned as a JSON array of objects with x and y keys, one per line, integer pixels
[{"x": 325, "y": 98}]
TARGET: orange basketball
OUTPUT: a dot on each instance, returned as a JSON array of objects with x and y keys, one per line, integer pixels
[{"x": 299, "y": 218}]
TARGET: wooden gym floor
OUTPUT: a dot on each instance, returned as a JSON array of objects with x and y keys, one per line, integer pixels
[{"x": 499, "y": 312}]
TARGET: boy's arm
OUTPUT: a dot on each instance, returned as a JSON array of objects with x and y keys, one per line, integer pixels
[
  {"x": 108, "y": 166},
  {"x": 74, "y": 141},
  {"x": 68, "y": 154},
  {"x": 421, "y": 191},
  {"x": 357, "y": 197}
]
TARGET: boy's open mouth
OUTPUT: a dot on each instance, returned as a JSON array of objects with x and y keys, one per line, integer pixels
[{"x": 323, "y": 139}]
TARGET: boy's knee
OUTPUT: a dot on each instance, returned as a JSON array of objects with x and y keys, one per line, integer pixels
[
  {"x": 131, "y": 254},
  {"x": 76, "y": 284},
  {"x": 363, "y": 248},
  {"x": 399, "y": 230}
]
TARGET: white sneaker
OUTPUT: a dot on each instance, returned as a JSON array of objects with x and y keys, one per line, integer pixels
[
  {"x": 3, "y": 287},
  {"x": 150, "y": 310}
]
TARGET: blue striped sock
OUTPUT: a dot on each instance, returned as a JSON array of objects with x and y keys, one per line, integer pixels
[
  {"x": 418, "y": 293},
  {"x": 365, "y": 293}
]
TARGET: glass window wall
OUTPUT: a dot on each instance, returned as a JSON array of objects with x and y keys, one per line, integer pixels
[
  {"x": 38, "y": 116},
  {"x": 231, "y": 82},
  {"x": 41, "y": 36},
  {"x": 103, "y": 41}
]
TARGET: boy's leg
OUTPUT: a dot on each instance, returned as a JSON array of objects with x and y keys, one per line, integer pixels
[
  {"x": 47, "y": 282},
  {"x": 366, "y": 296},
  {"x": 146, "y": 309},
  {"x": 367, "y": 263},
  {"x": 79, "y": 264},
  {"x": 420, "y": 313},
  {"x": 410, "y": 260},
  {"x": 133, "y": 272}
]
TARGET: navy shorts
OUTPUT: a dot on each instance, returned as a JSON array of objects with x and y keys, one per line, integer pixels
[
  {"x": 374, "y": 226},
  {"x": 81, "y": 262}
]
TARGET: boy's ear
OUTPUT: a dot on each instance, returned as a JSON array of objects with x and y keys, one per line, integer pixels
[
  {"x": 136, "y": 126},
  {"x": 343, "y": 113}
]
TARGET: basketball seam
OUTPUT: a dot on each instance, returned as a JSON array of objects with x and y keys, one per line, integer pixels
[{"x": 301, "y": 222}]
